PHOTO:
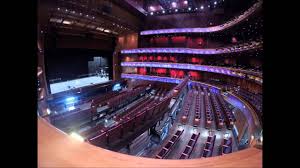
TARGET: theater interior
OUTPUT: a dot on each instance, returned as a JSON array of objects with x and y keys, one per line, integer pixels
[{"x": 150, "y": 83}]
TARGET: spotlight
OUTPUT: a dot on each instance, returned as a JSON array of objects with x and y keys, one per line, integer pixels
[
  {"x": 196, "y": 8},
  {"x": 76, "y": 136},
  {"x": 215, "y": 2},
  {"x": 48, "y": 111},
  {"x": 163, "y": 11},
  {"x": 189, "y": 8},
  {"x": 185, "y": 2},
  {"x": 176, "y": 10},
  {"x": 174, "y": 4},
  {"x": 202, "y": 7},
  {"x": 71, "y": 108},
  {"x": 152, "y": 8},
  {"x": 151, "y": 13}
]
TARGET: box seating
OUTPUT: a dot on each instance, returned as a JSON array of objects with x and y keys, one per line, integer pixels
[
  {"x": 209, "y": 146},
  {"x": 189, "y": 147},
  {"x": 168, "y": 147}
]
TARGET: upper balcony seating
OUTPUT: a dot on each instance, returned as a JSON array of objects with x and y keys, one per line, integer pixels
[
  {"x": 209, "y": 146},
  {"x": 168, "y": 147},
  {"x": 186, "y": 106},
  {"x": 227, "y": 146},
  {"x": 189, "y": 147},
  {"x": 230, "y": 119}
]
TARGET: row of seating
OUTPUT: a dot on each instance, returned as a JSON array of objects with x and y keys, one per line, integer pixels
[
  {"x": 209, "y": 146},
  {"x": 180, "y": 87},
  {"x": 190, "y": 146},
  {"x": 187, "y": 106},
  {"x": 130, "y": 124},
  {"x": 168, "y": 147},
  {"x": 150, "y": 102},
  {"x": 227, "y": 145},
  {"x": 102, "y": 99},
  {"x": 218, "y": 112},
  {"x": 230, "y": 119},
  {"x": 208, "y": 109},
  {"x": 136, "y": 107},
  {"x": 197, "y": 116},
  {"x": 116, "y": 101}
]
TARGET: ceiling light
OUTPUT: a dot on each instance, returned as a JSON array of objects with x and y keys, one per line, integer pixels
[
  {"x": 202, "y": 7},
  {"x": 185, "y": 2},
  {"x": 190, "y": 8},
  {"x": 176, "y": 10},
  {"x": 215, "y": 2},
  {"x": 151, "y": 13},
  {"x": 163, "y": 11}
]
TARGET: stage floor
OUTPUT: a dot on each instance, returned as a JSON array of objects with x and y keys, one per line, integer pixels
[{"x": 77, "y": 83}]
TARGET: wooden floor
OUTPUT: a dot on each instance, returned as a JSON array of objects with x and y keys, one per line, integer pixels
[{"x": 56, "y": 149}]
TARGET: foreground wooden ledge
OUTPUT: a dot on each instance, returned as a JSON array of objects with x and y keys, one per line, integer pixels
[{"x": 56, "y": 149}]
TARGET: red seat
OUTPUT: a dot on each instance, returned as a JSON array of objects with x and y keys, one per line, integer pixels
[
  {"x": 128, "y": 125},
  {"x": 115, "y": 133},
  {"x": 99, "y": 140}
]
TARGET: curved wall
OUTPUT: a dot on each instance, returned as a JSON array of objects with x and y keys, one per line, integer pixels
[{"x": 56, "y": 149}]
